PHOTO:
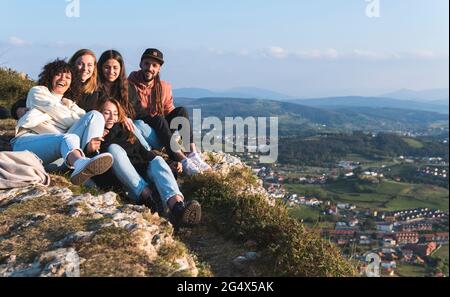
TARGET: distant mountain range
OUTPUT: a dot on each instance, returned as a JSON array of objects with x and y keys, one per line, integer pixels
[
  {"x": 295, "y": 116},
  {"x": 242, "y": 92},
  {"x": 435, "y": 100},
  {"x": 374, "y": 102},
  {"x": 432, "y": 95},
  {"x": 436, "y": 96}
]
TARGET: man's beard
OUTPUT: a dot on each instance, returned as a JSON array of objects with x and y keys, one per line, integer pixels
[{"x": 147, "y": 80}]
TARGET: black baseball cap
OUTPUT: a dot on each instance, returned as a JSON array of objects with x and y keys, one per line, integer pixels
[{"x": 153, "y": 53}]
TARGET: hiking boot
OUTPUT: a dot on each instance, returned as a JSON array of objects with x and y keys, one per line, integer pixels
[
  {"x": 186, "y": 214},
  {"x": 189, "y": 167},
  {"x": 202, "y": 165},
  {"x": 85, "y": 168}
]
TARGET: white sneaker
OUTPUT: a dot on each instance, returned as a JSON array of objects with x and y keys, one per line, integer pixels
[
  {"x": 86, "y": 168},
  {"x": 199, "y": 162},
  {"x": 189, "y": 167}
]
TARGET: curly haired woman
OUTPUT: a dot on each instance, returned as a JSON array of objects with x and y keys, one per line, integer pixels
[{"x": 55, "y": 127}]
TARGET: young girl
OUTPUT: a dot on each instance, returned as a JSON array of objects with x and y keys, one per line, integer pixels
[
  {"x": 85, "y": 62},
  {"x": 55, "y": 127},
  {"x": 135, "y": 166}
]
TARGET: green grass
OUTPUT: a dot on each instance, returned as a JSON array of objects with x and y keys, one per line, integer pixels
[
  {"x": 300, "y": 189},
  {"x": 386, "y": 196},
  {"x": 367, "y": 160},
  {"x": 413, "y": 142},
  {"x": 410, "y": 270},
  {"x": 442, "y": 253},
  {"x": 311, "y": 214}
]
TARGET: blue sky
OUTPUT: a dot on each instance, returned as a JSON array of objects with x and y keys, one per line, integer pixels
[{"x": 302, "y": 48}]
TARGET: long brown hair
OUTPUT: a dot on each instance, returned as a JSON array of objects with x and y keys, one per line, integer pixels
[
  {"x": 119, "y": 89},
  {"x": 90, "y": 86},
  {"x": 157, "y": 96},
  {"x": 122, "y": 115}
]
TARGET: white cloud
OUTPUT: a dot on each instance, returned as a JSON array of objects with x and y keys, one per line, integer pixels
[
  {"x": 411, "y": 54},
  {"x": 244, "y": 52},
  {"x": 277, "y": 52},
  {"x": 17, "y": 41},
  {"x": 374, "y": 55},
  {"x": 426, "y": 54},
  {"x": 317, "y": 54},
  {"x": 215, "y": 51},
  {"x": 332, "y": 53}
]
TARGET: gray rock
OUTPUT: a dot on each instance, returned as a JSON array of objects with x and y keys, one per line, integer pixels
[
  {"x": 69, "y": 240},
  {"x": 61, "y": 262},
  {"x": 57, "y": 263}
]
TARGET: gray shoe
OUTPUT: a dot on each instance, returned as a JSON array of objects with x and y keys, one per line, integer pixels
[{"x": 86, "y": 168}]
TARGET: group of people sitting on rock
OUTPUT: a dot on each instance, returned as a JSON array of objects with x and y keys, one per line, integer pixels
[{"x": 106, "y": 127}]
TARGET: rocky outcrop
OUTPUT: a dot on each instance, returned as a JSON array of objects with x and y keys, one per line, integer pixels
[
  {"x": 224, "y": 164},
  {"x": 70, "y": 233}
]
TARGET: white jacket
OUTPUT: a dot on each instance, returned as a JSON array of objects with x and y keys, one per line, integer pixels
[{"x": 47, "y": 113}]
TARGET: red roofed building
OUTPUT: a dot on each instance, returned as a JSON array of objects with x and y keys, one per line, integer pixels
[
  {"x": 441, "y": 237},
  {"x": 342, "y": 236},
  {"x": 438, "y": 237},
  {"x": 407, "y": 237},
  {"x": 417, "y": 227},
  {"x": 427, "y": 237}
]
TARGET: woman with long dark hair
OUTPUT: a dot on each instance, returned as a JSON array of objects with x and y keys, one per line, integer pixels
[{"x": 112, "y": 79}]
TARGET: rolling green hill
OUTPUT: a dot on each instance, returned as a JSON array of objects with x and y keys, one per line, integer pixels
[{"x": 300, "y": 117}]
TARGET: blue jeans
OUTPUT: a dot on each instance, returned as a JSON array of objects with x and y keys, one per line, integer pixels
[
  {"x": 158, "y": 172},
  {"x": 148, "y": 134},
  {"x": 51, "y": 147},
  {"x": 59, "y": 165},
  {"x": 48, "y": 147},
  {"x": 91, "y": 125}
]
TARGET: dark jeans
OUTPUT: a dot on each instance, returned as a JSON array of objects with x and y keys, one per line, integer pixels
[{"x": 161, "y": 125}]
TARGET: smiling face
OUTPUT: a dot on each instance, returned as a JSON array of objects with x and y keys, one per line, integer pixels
[
  {"x": 61, "y": 82},
  {"x": 86, "y": 65},
  {"x": 110, "y": 113},
  {"x": 150, "y": 68},
  {"x": 111, "y": 70}
]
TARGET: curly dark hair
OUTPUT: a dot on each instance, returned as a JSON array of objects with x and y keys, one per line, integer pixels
[
  {"x": 61, "y": 66},
  {"x": 119, "y": 89}
]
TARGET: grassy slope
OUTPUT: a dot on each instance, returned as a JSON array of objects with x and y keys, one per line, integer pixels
[
  {"x": 410, "y": 270},
  {"x": 413, "y": 142},
  {"x": 288, "y": 248}
]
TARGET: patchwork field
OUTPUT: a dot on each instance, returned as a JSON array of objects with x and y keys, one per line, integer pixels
[{"x": 386, "y": 196}]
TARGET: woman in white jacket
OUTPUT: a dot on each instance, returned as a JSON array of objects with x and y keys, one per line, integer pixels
[{"x": 55, "y": 127}]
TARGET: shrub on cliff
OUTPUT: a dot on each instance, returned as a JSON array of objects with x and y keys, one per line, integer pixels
[
  {"x": 289, "y": 248},
  {"x": 13, "y": 86}
]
